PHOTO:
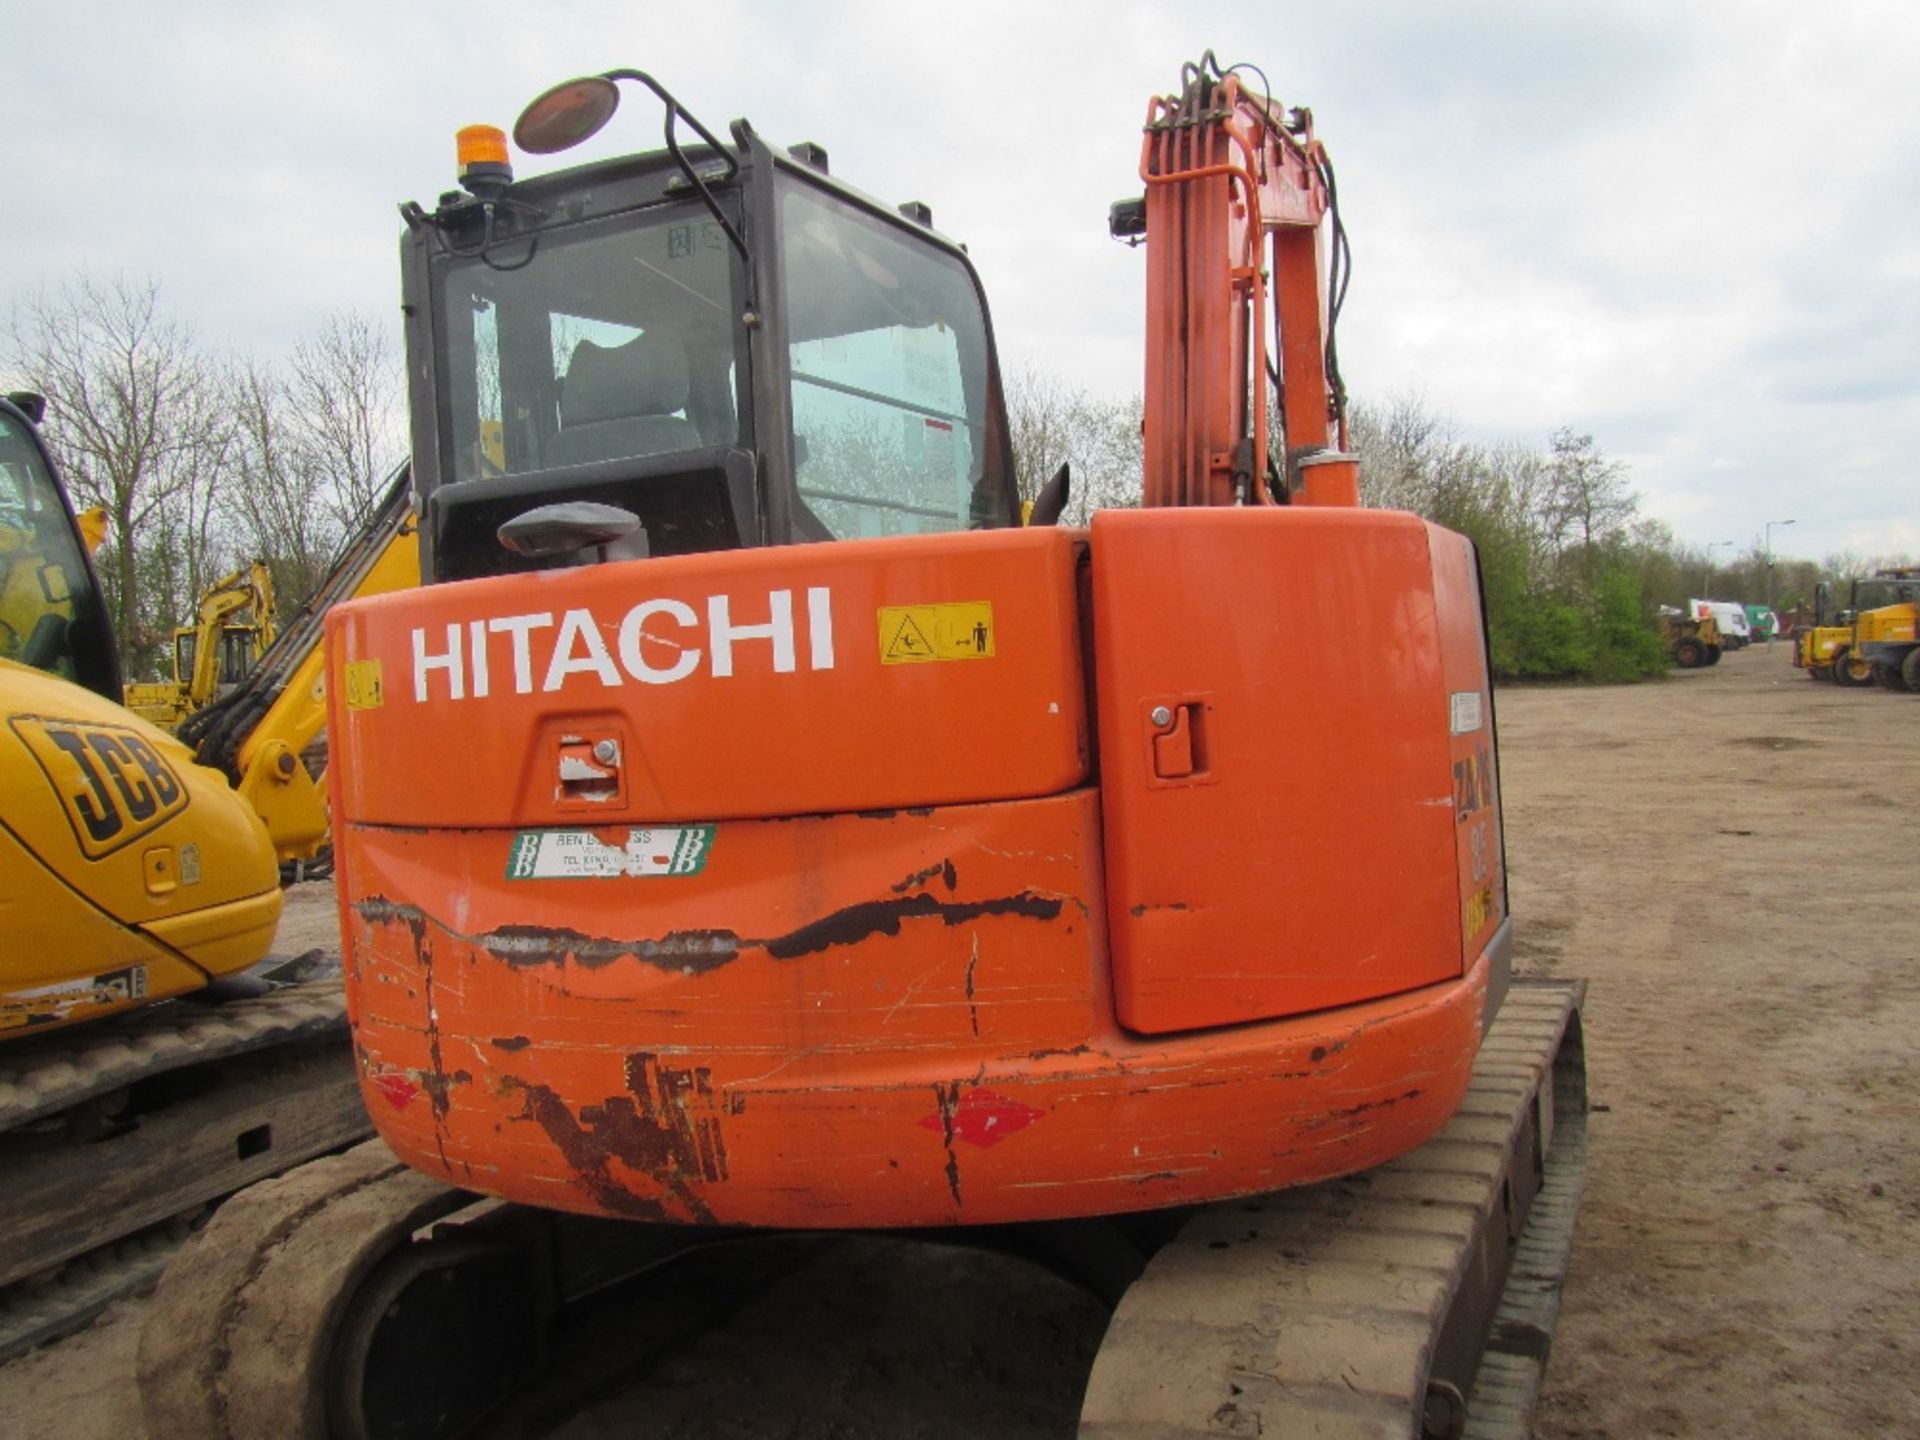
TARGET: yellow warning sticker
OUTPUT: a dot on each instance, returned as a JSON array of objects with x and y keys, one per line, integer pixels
[
  {"x": 960, "y": 630},
  {"x": 364, "y": 689}
]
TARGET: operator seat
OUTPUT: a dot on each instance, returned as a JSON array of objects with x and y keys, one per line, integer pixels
[{"x": 618, "y": 401}]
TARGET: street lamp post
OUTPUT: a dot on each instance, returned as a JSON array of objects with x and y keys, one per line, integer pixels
[{"x": 1767, "y": 545}]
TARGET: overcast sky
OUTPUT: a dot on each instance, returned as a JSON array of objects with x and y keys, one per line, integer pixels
[{"x": 1690, "y": 229}]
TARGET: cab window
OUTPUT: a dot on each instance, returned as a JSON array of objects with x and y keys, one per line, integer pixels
[
  {"x": 46, "y": 587},
  {"x": 889, "y": 377},
  {"x": 605, "y": 342}
]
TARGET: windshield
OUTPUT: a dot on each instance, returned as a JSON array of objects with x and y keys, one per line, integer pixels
[
  {"x": 889, "y": 377},
  {"x": 599, "y": 342},
  {"x": 45, "y": 585}
]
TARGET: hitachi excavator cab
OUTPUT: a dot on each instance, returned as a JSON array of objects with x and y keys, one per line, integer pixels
[{"x": 729, "y": 345}]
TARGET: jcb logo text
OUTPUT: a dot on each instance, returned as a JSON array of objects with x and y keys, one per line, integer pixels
[{"x": 112, "y": 783}]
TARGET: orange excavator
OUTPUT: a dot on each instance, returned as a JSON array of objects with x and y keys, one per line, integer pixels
[{"x": 753, "y": 824}]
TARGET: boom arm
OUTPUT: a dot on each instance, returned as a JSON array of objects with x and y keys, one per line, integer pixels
[
  {"x": 257, "y": 733},
  {"x": 248, "y": 589},
  {"x": 1239, "y": 207}
]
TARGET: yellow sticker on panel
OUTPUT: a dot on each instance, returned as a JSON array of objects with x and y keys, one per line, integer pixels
[
  {"x": 959, "y": 630},
  {"x": 364, "y": 685}
]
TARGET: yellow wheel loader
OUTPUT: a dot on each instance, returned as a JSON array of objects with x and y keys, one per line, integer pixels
[
  {"x": 1691, "y": 642},
  {"x": 1887, "y": 637},
  {"x": 1876, "y": 644}
]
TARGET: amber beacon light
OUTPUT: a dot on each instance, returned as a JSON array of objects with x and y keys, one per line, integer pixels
[{"x": 481, "y": 153}]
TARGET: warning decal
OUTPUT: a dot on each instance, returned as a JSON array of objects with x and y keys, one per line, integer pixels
[
  {"x": 960, "y": 630},
  {"x": 583, "y": 855},
  {"x": 364, "y": 688},
  {"x": 1465, "y": 711}
]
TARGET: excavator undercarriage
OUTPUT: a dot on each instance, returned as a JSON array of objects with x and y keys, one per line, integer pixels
[
  {"x": 117, "y": 1137},
  {"x": 356, "y": 1297}
]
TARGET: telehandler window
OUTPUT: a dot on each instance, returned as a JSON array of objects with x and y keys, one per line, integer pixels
[{"x": 889, "y": 376}]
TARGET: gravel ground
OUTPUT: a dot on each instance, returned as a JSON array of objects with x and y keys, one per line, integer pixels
[{"x": 1727, "y": 858}]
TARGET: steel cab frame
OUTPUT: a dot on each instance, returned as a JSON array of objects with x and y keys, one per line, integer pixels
[{"x": 733, "y": 476}]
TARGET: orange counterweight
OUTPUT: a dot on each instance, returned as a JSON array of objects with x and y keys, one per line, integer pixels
[{"x": 856, "y": 921}]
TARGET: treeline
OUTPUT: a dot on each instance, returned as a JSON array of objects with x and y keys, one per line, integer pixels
[
  {"x": 1575, "y": 575},
  {"x": 203, "y": 461},
  {"x": 1565, "y": 556}
]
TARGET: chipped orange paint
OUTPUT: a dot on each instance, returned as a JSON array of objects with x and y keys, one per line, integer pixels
[{"x": 854, "y": 1014}]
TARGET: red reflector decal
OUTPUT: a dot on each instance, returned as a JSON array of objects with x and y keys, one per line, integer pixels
[
  {"x": 981, "y": 1117},
  {"x": 398, "y": 1089}
]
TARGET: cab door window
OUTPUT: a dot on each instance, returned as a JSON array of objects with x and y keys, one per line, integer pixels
[{"x": 889, "y": 377}]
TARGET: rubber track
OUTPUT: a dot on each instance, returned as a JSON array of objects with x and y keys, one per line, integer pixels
[
  {"x": 1315, "y": 1312},
  {"x": 39, "y": 1078},
  {"x": 39, "y": 1313},
  {"x": 237, "y": 1342},
  {"x": 1507, "y": 1390}
]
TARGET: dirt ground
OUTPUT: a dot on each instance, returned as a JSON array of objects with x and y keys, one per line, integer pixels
[{"x": 1728, "y": 858}]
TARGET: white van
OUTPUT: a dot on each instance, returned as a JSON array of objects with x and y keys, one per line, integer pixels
[{"x": 1735, "y": 632}]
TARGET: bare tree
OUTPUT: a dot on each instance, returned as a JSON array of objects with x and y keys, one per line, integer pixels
[
  {"x": 1844, "y": 566},
  {"x": 1053, "y": 424},
  {"x": 276, "y": 491},
  {"x": 344, "y": 386},
  {"x": 1397, "y": 447},
  {"x": 190, "y": 538},
  {"x": 135, "y": 420},
  {"x": 1411, "y": 459},
  {"x": 1037, "y": 426},
  {"x": 1588, "y": 500}
]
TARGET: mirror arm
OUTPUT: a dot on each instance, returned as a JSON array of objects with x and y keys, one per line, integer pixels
[{"x": 675, "y": 112}]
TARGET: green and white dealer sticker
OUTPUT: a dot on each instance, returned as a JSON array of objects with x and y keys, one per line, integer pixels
[{"x": 583, "y": 855}]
